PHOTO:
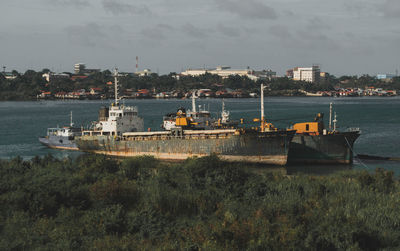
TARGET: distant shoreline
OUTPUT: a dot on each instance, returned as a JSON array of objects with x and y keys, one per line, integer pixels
[{"x": 174, "y": 98}]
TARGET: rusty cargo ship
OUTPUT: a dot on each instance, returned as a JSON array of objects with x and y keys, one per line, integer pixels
[
  {"x": 119, "y": 132},
  {"x": 228, "y": 144}
]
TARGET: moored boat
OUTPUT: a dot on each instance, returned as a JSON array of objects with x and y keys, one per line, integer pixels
[
  {"x": 315, "y": 144},
  {"x": 62, "y": 137},
  {"x": 125, "y": 137}
]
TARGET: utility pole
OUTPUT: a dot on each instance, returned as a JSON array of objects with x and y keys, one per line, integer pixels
[{"x": 4, "y": 69}]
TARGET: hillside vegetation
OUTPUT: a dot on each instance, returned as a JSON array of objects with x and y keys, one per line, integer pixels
[{"x": 100, "y": 203}]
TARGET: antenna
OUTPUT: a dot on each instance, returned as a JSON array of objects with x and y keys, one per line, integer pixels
[
  {"x": 4, "y": 69},
  {"x": 137, "y": 63}
]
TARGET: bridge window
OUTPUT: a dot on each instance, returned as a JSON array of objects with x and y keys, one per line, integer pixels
[{"x": 307, "y": 127}]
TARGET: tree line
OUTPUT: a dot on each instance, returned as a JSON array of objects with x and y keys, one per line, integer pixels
[{"x": 28, "y": 85}]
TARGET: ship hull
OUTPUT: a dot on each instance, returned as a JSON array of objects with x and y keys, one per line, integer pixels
[
  {"x": 59, "y": 142},
  {"x": 334, "y": 148},
  {"x": 266, "y": 148}
]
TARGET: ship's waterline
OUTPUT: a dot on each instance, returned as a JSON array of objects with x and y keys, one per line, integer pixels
[{"x": 270, "y": 160}]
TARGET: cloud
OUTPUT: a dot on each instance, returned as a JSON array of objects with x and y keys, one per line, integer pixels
[
  {"x": 302, "y": 38},
  {"x": 73, "y": 3},
  {"x": 317, "y": 23},
  {"x": 228, "y": 31},
  {"x": 116, "y": 7},
  {"x": 157, "y": 32},
  {"x": 391, "y": 8},
  {"x": 280, "y": 32},
  {"x": 251, "y": 9},
  {"x": 88, "y": 35},
  {"x": 193, "y": 31}
]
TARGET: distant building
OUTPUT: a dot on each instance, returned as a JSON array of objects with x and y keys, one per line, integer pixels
[
  {"x": 145, "y": 72},
  {"x": 289, "y": 73},
  {"x": 385, "y": 76},
  {"x": 80, "y": 68},
  {"x": 78, "y": 77},
  {"x": 323, "y": 76},
  {"x": 226, "y": 71},
  {"x": 264, "y": 74},
  {"x": 9, "y": 75},
  {"x": 49, "y": 76},
  {"x": 95, "y": 91},
  {"x": 308, "y": 74}
]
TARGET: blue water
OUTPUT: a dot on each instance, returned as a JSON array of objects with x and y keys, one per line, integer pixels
[{"x": 21, "y": 123}]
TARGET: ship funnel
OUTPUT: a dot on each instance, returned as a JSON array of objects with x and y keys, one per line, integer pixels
[{"x": 103, "y": 113}]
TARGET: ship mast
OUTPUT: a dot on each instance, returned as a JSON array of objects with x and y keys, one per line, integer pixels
[
  {"x": 194, "y": 102},
  {"x": 262, "y": 108},
  {"x": 71, "y": 123},
  {"x": 334, "y": 123},
  {"x": 116, "y": 86},
  {"x": 330, "y": 116}
]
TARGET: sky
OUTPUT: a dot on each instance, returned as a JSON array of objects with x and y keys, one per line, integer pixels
[{"x": 344, "y": 37}]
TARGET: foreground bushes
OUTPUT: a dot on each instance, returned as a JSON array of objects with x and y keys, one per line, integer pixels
[{"x": 96, "y": 202}]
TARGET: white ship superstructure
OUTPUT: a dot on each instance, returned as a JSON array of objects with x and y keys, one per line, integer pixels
[
  {"x": 117, "y": 119},
  {"x": 61, "y": 138},
  {"x": 120, "y": 119}
]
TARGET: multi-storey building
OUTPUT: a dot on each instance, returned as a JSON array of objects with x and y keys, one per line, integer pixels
[
  {"x": 308, "y": 74},
  {"x": 79, "y": 68}
]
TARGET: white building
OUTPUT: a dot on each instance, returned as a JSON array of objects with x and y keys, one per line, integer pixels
[
  {"x": 308, "y": 74},
  {"x": 49, "y": 76},
  {"x": 145, "y": 72},
  {"x": 222, "y": 71}
]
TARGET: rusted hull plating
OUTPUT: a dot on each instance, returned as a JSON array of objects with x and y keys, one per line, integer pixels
[
  {"x": 255, "y": 147},
  {"x": 323, "y": 149}
]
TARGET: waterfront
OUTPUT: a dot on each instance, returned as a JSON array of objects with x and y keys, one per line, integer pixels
[{"x": 378, "y": 118}]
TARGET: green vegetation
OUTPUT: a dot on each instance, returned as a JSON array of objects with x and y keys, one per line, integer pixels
[
  {"x": 28, "y": 85},
  {"x": 99, "y": 203}
]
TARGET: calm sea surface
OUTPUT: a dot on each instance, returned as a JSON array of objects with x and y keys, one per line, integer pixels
[{"x": 21, "y": 123}]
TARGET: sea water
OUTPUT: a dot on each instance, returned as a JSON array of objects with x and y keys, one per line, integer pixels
[{"x": 22, "y": 123}]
